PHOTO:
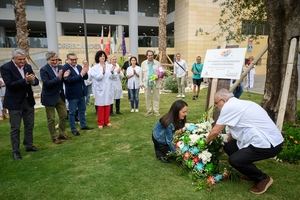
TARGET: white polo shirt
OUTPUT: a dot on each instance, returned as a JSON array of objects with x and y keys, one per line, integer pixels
[{"x": 249, "y": 123}]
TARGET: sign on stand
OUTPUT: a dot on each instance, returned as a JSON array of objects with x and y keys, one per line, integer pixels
[{"x": 222, "y": 63}]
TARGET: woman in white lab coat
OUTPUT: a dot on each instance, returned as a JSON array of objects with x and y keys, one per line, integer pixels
[
  {"x": 100, "y": 75},
  {"x": 116, "y": 77}
]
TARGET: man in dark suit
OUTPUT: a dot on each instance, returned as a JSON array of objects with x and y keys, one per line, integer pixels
[
  {"x": 19, "y": 77},
  {"x": 53, "y": 96},
  {"x": 74, "y": 76}
]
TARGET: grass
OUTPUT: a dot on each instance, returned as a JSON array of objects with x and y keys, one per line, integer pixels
[{"x": 119, "y": 163}]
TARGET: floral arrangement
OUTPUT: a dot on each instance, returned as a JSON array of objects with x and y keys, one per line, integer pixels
[
  {"x": 201, "y": 158},
  {"x": 152, "y": 80}
]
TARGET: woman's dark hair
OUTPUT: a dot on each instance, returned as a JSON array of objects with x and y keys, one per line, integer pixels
[
  {"x": 135, "y": 60},
  {"x": 99, "y": 54},
  {"x": 173, "y": 115}
]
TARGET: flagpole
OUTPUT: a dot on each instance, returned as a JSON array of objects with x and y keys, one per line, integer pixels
[{"x": 85, "y": 32}]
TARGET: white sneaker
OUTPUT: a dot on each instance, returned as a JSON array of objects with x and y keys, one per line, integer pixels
[
  {"x": 132, "y": 110},
  {"x": 136, "y": 110},
  {"x": 183, "y": 96},
  {"x": 178, "y": 96}
]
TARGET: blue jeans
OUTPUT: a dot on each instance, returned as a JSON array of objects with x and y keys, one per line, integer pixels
[
  {"x": 134, "y": 98},
  {"x": 75, "y": 104}
]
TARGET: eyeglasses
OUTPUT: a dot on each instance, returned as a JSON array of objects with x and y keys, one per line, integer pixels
[
  {"x": 74, "y": 59},
  {"x": 216, "y": 102}
]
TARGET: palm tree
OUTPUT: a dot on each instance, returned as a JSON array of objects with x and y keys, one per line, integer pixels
[{"x": 21, "y": 25}]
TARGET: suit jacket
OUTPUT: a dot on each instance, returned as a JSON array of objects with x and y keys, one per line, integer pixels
[
  {"x": 17, "y": 89},
  {"x": 75, "y": 87},
  {"x": 52, "y": 86}
]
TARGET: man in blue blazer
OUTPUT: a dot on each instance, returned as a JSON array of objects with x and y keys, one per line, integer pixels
[
  {"x": 53, "y": 97},
  {"x": 74, "y": 76},
  {"x": 19, "y": 77}
]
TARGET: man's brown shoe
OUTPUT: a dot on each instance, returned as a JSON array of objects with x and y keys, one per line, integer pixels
[
  {"x": 57, "y": 141},
  {"x": 63, "y": 137},
  {"x": 262, "y": 186}
]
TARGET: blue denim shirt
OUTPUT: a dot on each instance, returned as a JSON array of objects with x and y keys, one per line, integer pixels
[{"x": 164, "y": 135}]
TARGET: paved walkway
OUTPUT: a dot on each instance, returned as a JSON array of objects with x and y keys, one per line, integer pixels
[{"x": 259, "y": 85}]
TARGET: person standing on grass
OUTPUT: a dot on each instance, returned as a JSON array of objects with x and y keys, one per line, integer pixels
[
  {"x": 253, "y": 137},
  {"x": 116, "y": 77},
  {"x": 133, "y": 76},
  {"x": 197, "y": 80},
  {"x": 164, "y": 130},
  {"x": 19, "y": 78},
  {"x": 74, "y": 76},
  {"x": 180, "y": 74},
  {"x": 150, "y": 81},
  {"x": 88, "y": 85},
  {"x": 100, "y": 75},
  {"x": 53, "y": 97}
]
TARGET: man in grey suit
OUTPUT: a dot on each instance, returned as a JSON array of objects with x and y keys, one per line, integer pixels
[{"x": 19, "y": 78}]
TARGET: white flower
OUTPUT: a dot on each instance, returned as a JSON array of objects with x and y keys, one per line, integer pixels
[
  {"x": 194, "y": 138},
  {"x": 205, "y": 156},
  {"x": 224, "y": 137}
]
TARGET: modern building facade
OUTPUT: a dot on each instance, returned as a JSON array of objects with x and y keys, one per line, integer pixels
[{"x": 137, "y": 18}]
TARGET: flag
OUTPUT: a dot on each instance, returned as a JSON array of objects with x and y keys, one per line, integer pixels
[
  {"x": 101, "y": 39},
  {"x": 114, "y": 42},
  {"x": 123, "y": 44},
  {"x": 107, "y": 46}
]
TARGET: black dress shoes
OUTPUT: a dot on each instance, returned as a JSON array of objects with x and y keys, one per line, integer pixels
[
  {"x": 75, "y": 133},
  {"x": 86, "y": 128},
  {"x": 17, "y": 156},
  {"x": 32, "y": 148}
]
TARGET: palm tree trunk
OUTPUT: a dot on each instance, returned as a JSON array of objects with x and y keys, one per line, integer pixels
[
  {"x": 21, "y": 25},
  {"x": 162, "y": 31}
]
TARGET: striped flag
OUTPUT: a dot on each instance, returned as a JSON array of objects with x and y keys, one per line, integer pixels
[
  {"x": 107, "y": 45},
  {"x": 123, "y": 44},
  {"x": 101, "y": 39}
]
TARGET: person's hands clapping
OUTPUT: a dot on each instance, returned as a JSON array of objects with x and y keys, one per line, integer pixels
[
  {"x": 67, "y": 73},
  {"x": 29, "y": 77},
  {"x": 84, "y": 70},
  {"x": 60, "y": 74}
]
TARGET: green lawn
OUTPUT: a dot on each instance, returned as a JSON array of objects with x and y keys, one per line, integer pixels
[{"x": 119, "y": 163}]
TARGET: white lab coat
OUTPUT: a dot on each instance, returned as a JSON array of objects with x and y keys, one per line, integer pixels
[
  {"x": 116, "y": 81},
  {"x": 102, "y": 84}
]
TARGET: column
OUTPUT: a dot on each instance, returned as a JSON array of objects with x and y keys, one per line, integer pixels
[
  {"x": 120, "y": 33},
  {"x": 50, "y": 17},
  {"x": 2, "y": 37},
  {"x": 59, "y": 29},
  {"x": 133, "y": 26}
]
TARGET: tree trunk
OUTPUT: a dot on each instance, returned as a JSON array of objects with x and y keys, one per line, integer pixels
[
  {"x": 284, "y": 21},
  {"x": 21, "y": 25},
  {"x": 162, "y": 31}
]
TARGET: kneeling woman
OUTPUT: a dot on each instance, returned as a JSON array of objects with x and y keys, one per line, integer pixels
[{"x": 165, "y": 128}]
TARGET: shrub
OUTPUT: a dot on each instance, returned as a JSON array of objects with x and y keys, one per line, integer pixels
[
  {"x": 171, "y": 84},
  {"x": 291, "y": 148}
]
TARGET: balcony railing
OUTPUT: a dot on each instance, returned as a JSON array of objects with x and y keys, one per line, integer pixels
[
  {"x": 39, "y": 42},
  {"x": 34, "y": 42}
]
